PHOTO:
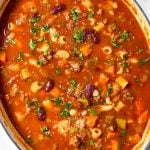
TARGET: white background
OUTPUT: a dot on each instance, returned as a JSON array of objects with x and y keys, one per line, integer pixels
[{"x": 6, "y": 143}]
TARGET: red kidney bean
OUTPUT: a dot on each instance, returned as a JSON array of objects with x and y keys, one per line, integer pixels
[
  {"x": 87, "y": 33},
  {"x": 58, "y": 8},
  {"x": 50, "y": 85},
  {"x": 89, "y": 91},
  {"x": 41, "y": 114}
]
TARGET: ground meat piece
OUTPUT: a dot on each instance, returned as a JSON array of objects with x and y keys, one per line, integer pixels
[
  {"x": 43, "y": 59},
  {"x": 74, "y": 141},
  {"x": 80, "y": 123},
  {"x": 98, "y": 145},
  {"x": 75, "y": 66},
  {"x": 78, "y": 92},
  {"x": 127, "y": 95},
  {"x": 21, "y": 19}
]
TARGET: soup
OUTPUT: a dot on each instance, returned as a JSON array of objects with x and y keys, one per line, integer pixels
[{"x": 75, "y": 74}]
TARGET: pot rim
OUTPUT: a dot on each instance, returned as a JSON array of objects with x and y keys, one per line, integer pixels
[{"x": 8, "y": 126}]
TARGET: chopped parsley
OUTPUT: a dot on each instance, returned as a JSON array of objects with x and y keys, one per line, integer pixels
[
  {"x": 73, "y": 83},
  {"x": 34, "y": 30},
  {"x": 140, "y": 50},
  {"x": 58, "y": 101},
  {"x": 68, "y": 105},
  {"x": 75, "y": 14},
  {"x": 77, "y": 53},
  {"x": 45, "y": 131},
  {"x": 144, "y": 61},
  {"x": 29, "y": 140},
  {"x": 40, "y": 62},
  {"x": 93, "y": 112},
  {"x": 124, "y": 36},
  {"x": 12, "y": 41},
  {"x": 57, "y": 70},
  {"x": 125, "y": 56},
  {"x": 30, "y": 103},
  {"x": 33, "y": 20},
  {"x": 46, "y": 27},
  {"x": 20, "y": 56},
  {"x": 90, "y": 14},
  {"x": 56, "y": 35},
  {"x": 124, "y": 65},
  {"x": 91, "y": 142},
  {"x": 32, "y": 44},
  {"x": 78, "y": 36},
  {"x": 123, "y": 133},
  {"x": 37, "y": 109},
  {"x": 65, "y": 112},
  {"x": 109, "y": 90},
  {"x": 115, "y": 44}
]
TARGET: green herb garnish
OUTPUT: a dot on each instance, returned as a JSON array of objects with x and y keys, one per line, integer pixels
[
  {"x": 93, "y": 112},
  {"x": 91, "y": 142},
  {"x": 45, "y": 131},
  {"x": 77, "y": 53},
  {"x": 12, "y": 41},
  {"x": 30, "y": 103},
  {"x": 123, "y": 133},
  {"x": 29, "y": 140},
  {"x": 90, "y": 14},
  {"x": 140, "y": 50},
  {"x": 40, "y": 62},
  {"x": 124, "y": 36},
  {"x": 75, "y": 14},
  {"x": 124, "y": 65},
  {"x": 125, "y": 56},
  {"x": 109, "y": 90},
  {"x": 20, "y": 56},
  {"x": 33, "y": 20},
  {"x": 144, "y": 61},
  {"x": 65, "y": 112},
  {"x": 78, "y": 36},
  {"x": 32, "y": 44},
  {"x": 58, "y": 70},
  {"x": 115, "y": 44},
  {"x": 73, "y": 83},
  {"x": 46, "y": 27},
  {"x": 34, "y": 30},
  {"x": 58, "y": 101}
]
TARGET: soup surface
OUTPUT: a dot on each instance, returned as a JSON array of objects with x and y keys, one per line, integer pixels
[{"x": 75, "y": 74}]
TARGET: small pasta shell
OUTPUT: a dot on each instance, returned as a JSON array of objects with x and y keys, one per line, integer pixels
[
  {"x": 96, "y": 133},
  {"x": 62, "y": 54},
  {"x": 107, "y": 50}
]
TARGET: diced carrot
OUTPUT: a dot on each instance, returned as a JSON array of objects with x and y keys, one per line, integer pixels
[
  {"x": 139, "y": 106},
  {"x": 115, "y": 144},
  {"x": 136, "y": 138},
  {"x": 143, "y": 117},
  {"x": 111, "y": 135},
  {"x": 86, "y": 50},
  {"x": 110, "y": 70},
  {"x": 2, "y": 56},
  {"x": 18, "y": 44},
  {"x": 104, "y": 90},
  {"x": 103, "y": 79},
  {"x": 48, "y": 105},
  {"x": 55, "y": 92},
  {"x": 91, "y": 120},
  {"x": 122, "y": 82}
]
